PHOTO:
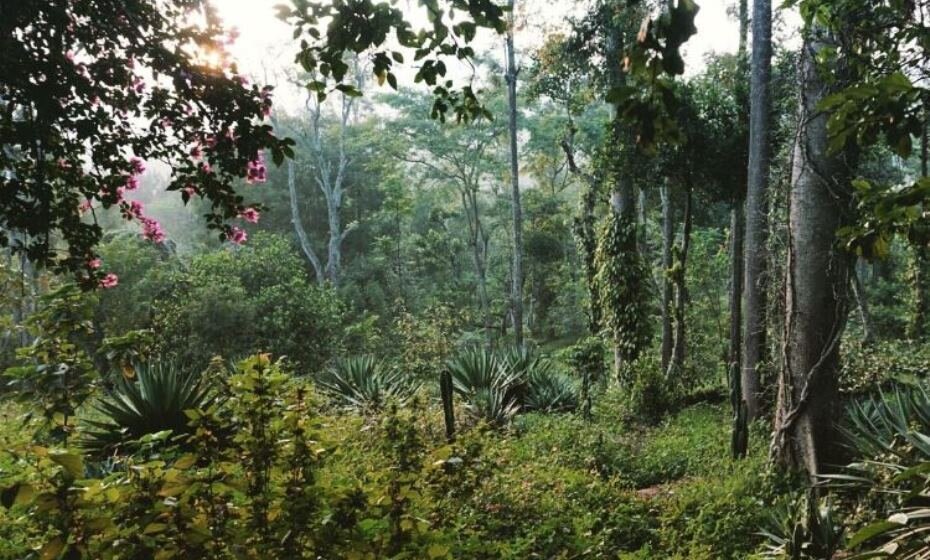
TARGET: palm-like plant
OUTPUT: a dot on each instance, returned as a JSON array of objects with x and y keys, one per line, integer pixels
[
  {"x": 491, "y": 389},
  {"x": 363, "y": 383},
  {"x": 549, "y": 390},
  {"x": 153, "y": 400},
  {"x": 803, "y": 528},
  {"x": 890, "y": 436}
]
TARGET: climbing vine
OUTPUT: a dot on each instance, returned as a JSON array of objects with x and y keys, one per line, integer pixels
[{"x": 623, "y": 287}]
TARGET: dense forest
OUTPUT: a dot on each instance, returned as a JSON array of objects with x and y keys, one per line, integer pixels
[{"x": 479, "y": 279}]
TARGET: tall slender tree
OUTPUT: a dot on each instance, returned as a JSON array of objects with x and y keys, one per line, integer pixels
[
  {"x": 756, "y": 203},
  {"x": 516, "y": 296}
]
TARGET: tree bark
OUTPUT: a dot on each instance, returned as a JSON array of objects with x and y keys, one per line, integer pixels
[
  {"x": 756, "y": 204},
  {"x": 681, "y": 290},
  {"x": 736, "y": 287},
  {"x": 816, "y": 301},
  {"x": 862, "y": 303},
  {"x": 517, "y": 287},
  {"x": 667, "y": 237},
  {"x": 305, "y": 245}
]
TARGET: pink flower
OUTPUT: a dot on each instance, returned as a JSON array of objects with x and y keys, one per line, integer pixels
[
  {"x": 196, "y": 152},
  {"x": 152, "y": 230},
  {"x": 255, "y": 171},
  {"x": 85, "y": 206},
  {"x": 135, "y": 209},
  {"x": 205, "y": 167},
  {"x": 109, "y": 281},
  {"x": 120, "y": 192},
  {"x": 250, "y": 215},
  {"x": 132, "y": 183},
  {"x": 138, "y": 84},
  {"x": 94, "y": 264},
  {"x": 190, "y": 189},
  {"x": 70, "y": 56},
  {"x": 138, "y": 166},
  {"x": 237, "y": 235}
]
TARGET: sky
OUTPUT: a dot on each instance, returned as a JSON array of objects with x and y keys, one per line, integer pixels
[{"x": 265, "y": 49}]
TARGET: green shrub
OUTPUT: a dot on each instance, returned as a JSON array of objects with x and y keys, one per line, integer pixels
[{"x": 650, "y": 394}]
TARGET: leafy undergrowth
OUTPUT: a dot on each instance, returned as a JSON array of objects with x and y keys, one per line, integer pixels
[
  {"x": 551, "y": 486},
  {"x": 558, "y": 486}
]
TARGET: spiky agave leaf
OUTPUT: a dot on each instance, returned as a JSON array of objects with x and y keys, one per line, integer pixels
[
  {"x": 549, "y": 390},
  {"x": 153, "y": 400},
  {"x": 363, "y": 383}
]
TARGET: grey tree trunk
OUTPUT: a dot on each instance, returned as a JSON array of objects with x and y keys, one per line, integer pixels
[
  {"x": 305, "y": 245},
  {"x": 679, "y": 348},
  {"x": 862, "y": 303},
  {"x": 668, "y": 231},
  {"x": 736, "y": 288},
  {"x": 817, "y": 282},
  {"x": 756, "y": 203},
  {"x": 329, "y": 177},
  {"x": 517, "y": 288}
]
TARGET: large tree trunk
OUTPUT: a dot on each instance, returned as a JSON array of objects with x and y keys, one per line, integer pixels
[
  {"x": 816, "y": 285},
  {"x": 668, "y": 231},
  {"x": 756, "y": 203},
  {"x": 517, "y": 289}
]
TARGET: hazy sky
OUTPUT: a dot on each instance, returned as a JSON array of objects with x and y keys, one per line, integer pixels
[{"x": 265, "y": 49}]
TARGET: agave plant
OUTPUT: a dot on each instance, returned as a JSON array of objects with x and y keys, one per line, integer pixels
[
  {"x": 363, "y": 383},
  {"x": 154, "y": 399},
  {"x": 549, "y": 390},
  {"x": 803, "y": 528},
  {"x": 890, "y": 435},
  {"x": 490, "y": 389}
]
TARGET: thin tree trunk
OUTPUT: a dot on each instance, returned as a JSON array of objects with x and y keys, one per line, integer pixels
[
  {"x": 862, "y": 303},
  {"x": 756, "y": 203},
  {"x": 302, "y": 236},
  {"x": 736, "y": 287},
  {"x": 517, "y": 286},
  {"x": 817, "y": 283},
  {"x": 681, "y": 291},
  {"x": 667, "y": 235}
]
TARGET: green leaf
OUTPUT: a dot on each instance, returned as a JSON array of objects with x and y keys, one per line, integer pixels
[
  {"x": 72, "y": 462},
  {"x": 871, "y": 531}
]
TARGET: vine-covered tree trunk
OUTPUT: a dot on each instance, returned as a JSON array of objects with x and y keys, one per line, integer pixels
[
  {"x": 517, "y": 285},
  {"x": 919, "y": 264},
  {"x": 756, "y": 203},
  {"x": 816, "y": 284},
  {"x": 623, "y": 277},
  {"x": 668, "y": 231}
]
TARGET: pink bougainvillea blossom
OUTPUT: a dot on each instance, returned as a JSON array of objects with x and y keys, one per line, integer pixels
[
  {"x": 85, "y": 206},
  {"x": 152, "y": 230},
  {"x": 196, "y": 152},
  {"x": 255, "y": 171},
  {"x": 237, "y": 235},
  {"x": 109, "y": 281},
  {"x": 94, "y": 264},
  {"x": 138, "y": 166},
  {"x": 132, "y": 183},
  {"x": 251, "y": 215},
  {"x": 138, "y": 84},
  {"x": 205, "y": 167}
]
